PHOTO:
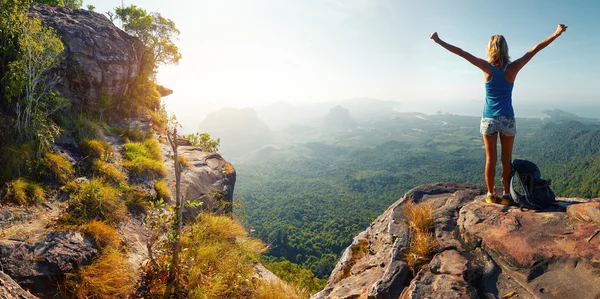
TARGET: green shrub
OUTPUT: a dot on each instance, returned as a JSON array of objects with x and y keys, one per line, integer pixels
[
  {"x": 132, "y": 135},
  {"x": 84, "y": 128},
  {"x": 95, "y": 200},
  {"x": 203, "y": 141},
  {"x": 16, "y": 158},
  {"x": 96, "y": 149}
]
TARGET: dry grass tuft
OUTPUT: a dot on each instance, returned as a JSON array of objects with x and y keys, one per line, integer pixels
[
  {"x": 59, "y": 167},
  {"x": 162, "y": 190},
  {"x": 183, "y": 161},
  {"x": 96, "y": 149},
  {"x": 109, "y": 276},
  {"x": 23, "y": 192},
  {"x": 278, "y": 290},
  {"x": 109, "y": 172},
  {"x": 228, "y": 169},
  {"x": 95, "y": 200},
  {"x": 423, "y": 243},
  {"x": 219, "y": 257},
  {"x": 358, "y": 251},
  {"x": 104, "y": 235}
]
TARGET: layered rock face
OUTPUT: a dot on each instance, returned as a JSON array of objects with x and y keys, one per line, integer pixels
[
  {"x": 101, "y": 59},
  {"x": 209, "y": 179},
  {"x": 9, "y": 289},
  {"x": 485, "y": 251},
  {"x": 39, "y": 266}
]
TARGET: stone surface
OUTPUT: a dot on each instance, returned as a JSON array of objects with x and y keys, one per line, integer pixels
[
  {"x": 100, "y": 58},
  {"x": 485, "y": 251},
  {"x": 209, "y": 179},
  {"x": 589, "y": 211},
  {"x": 9, "y": 289},
  {"x": 38, "y": 267},
  {"x": 381, "y": 271}
]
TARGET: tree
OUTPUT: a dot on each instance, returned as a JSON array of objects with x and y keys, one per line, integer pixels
[
  {"x": 203, "y": 141},
  {"x": 72, "y": 4},
  {"x": 174, "y": 271},
  {"x": 90, "y": 7},
  {"x": 12, "y": 15},
  {"x": 31, "y": 87},
  {"x": 156, "y": 33}
]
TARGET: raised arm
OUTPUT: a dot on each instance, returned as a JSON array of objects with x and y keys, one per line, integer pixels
[
  {"x": 478, "y": 62},
  {"x": 521, "y": 62}
]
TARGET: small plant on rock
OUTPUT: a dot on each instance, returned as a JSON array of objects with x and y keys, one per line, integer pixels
[{"x": 422, "y": 241}]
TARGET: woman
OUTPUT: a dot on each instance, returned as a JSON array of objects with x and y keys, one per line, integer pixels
[{"x": 498, "y": 115}]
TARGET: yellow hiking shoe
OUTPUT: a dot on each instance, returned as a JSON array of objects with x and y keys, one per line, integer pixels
[{"x": 491, "y": 198}]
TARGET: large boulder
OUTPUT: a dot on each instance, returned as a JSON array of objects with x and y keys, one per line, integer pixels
[
  {"x": 39, "y": 267},
  {"x": 208, "y": 179},
  {"x": 485, "y": 251},
  {"x": 9, "y": 289},
  {"x": 101, "y": 59}
]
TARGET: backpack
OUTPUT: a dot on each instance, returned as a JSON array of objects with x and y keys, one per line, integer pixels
[{"x": 527, "y": 187}]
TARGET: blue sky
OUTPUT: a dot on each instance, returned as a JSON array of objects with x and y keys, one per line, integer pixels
[{"x": 253, "y": 52}]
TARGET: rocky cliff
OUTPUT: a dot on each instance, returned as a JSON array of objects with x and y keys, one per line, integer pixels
[
  {"x": 101, "y": 59},
  {"x": 485, "y": 251},
  {"x": 208, "y": 179}
]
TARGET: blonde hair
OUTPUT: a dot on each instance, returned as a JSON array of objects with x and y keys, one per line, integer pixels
[{"x": 497, "y": 51}]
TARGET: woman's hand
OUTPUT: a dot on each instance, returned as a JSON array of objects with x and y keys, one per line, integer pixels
[
  {"x": 560, "y": 29},
  {"x": 434, "y": 36}
]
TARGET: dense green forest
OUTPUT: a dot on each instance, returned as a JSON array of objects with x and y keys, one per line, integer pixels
[{"x": 309, "y": 199}]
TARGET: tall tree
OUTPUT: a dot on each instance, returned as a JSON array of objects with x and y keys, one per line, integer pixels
[
  {"x": 156, "y": 33},
  {"x": 12, "y": 15},
  {"x": 31, "y": 88}
]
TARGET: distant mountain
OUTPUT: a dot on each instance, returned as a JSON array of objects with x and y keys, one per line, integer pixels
[
  {"x": 338, "y": 119},
  {"x": 240, "y": 130},
  {"x": 561, "y": 115}
]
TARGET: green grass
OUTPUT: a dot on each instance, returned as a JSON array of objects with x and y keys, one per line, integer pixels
[
  {"x": 95, "y": 200},
  {"x": 144, "y": 159},
  {"x": 146, "y": 167}
]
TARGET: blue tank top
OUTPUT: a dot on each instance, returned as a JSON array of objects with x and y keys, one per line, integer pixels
[{"x": 498, "y": 95}]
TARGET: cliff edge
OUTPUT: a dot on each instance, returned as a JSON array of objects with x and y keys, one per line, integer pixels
[{"x": 485, "y": 251}]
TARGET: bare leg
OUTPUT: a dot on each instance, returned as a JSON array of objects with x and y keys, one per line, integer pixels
[
  {"x": 491, "y": 154},
  {"x": 507, "y": 147}
]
